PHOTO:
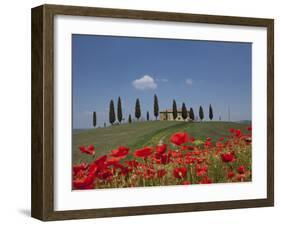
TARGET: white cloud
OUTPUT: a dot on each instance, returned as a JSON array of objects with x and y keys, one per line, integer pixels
[
  {"x": 189, "y": 81},
  {"x": 145, "y": 82}
]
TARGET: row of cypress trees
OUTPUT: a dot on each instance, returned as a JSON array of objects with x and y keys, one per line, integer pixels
[
  {"x": 112, "y": 115},
  {"x": 184, "y": 113},
  {"x": 201, "y": 113}
]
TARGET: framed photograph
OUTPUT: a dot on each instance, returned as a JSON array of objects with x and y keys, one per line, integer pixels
[{"x": 141, "y": 112}]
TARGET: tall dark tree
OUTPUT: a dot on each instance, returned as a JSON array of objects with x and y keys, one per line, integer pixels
[
  {"x": 130, "y": 119},
  {"x": 184, "y": 111},
  {"x": 112, "y": 116},
  {"x": 94, "y": 119},
  {"x": 211, "y": 112},
  {"x": 175, "y": 110},
  {"x": 201, "y": 113},
  {"x": 119, "y": 110},
  {"x": 191, "y": 114},
  {"x": 156, "y": 107},
  {"x": 137, "y": 109},
  {"x": 147, "y": 116}
]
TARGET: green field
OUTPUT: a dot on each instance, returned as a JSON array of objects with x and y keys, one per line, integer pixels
[{"x": 139, "y": 134}]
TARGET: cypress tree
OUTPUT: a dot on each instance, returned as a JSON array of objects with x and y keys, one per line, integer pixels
[
  {"x": 130, "y": 119},
  {"x": 147, "y": 116},
  {"x": 184, "y": 111},
  {"x": 119, "y": 110},
  {"x": 94, "y": 119},
  {"x": 111, "y": 113},
  {"x": 211, "y": 112},
  {"x": 156, "y": 107},
  {"x": 191, "y": 114},
  {"x": 201, "y": 113},
  {"x": 137, "y": 109},
  {"x": 175, "y": 110}
]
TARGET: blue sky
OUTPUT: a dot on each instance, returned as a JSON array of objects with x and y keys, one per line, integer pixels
[{"x": 194, "y": 72}]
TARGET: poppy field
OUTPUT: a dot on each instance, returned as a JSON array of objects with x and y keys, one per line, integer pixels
[{"x": 179, "y": 159}]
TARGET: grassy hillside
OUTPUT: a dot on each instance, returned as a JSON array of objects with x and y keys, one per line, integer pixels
[{"x": 139, "y": 134}]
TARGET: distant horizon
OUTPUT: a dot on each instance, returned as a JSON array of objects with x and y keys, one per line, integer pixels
[
  {"x": 194, "y": 72},
  {"x": 109, "y": 125}
]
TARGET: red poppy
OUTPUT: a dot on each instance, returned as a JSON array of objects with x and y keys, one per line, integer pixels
[
  {"x": 143, "y": 152},
  {"x": 179, "y": 138},
  {"x": 238, "y": 133},
  {"x": 132, "y": 163},
  {"x": 189, "y": 160},
  {"x": 240, "y": 177},
  {"x": 86, "y": 181},
  {"x": 180, "y": 172},
  {"x": 208, "y": 144},
  {"x": 161, "y": 148},
  {"x": 236, "y": 142},
  {"x": 93, "y": 168},
  {"x": 230, "y": 174},
  {"x": 91, "y": 147},
  {"x": 186, "y": 182},
  {"x": 162, "y": 158},
  {"x": 221, "y": 138},
  {"x": 206, "y": 180},
  {"x": 124, "y": 170},
  {"x": 188, "y": 147},
  {"x": 105, "y": 174},
  {"x": 161, "y": 173},
  {"x": 241, "y": 169},
  {"x": 201, "y": 170},
  {"x": 228, "y": 157},
  {"x": 175, "y": 154},
  {"x": 149, "y": 173},
  {"x": 165, "y": 159},
  {"x": 200, "y": 160},
  {"x": 90, "y": 150},
  {"x": 191, "y": 148},
  {"x": 83, "y": 183},
  {"x": 196, "y": 152},
  {"x": 101, "y": 162},
  {"x": 191, "y": 139},
  {"x": 79, "y": 167},
  {"x": 113, "y": 161},
  {"x": 249, "y": 128},
  {"x": 219, "y": 145},
  {"x": 121, "y": 152},
  {"x": 183, "y": 148}
]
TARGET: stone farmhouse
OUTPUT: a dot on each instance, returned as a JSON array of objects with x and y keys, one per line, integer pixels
[{"x": 167, "y": 115}]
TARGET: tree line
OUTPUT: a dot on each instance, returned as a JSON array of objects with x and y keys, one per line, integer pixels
[
  {"x": 138, "y": 113},
  {"x": 184, "y": 113}
]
